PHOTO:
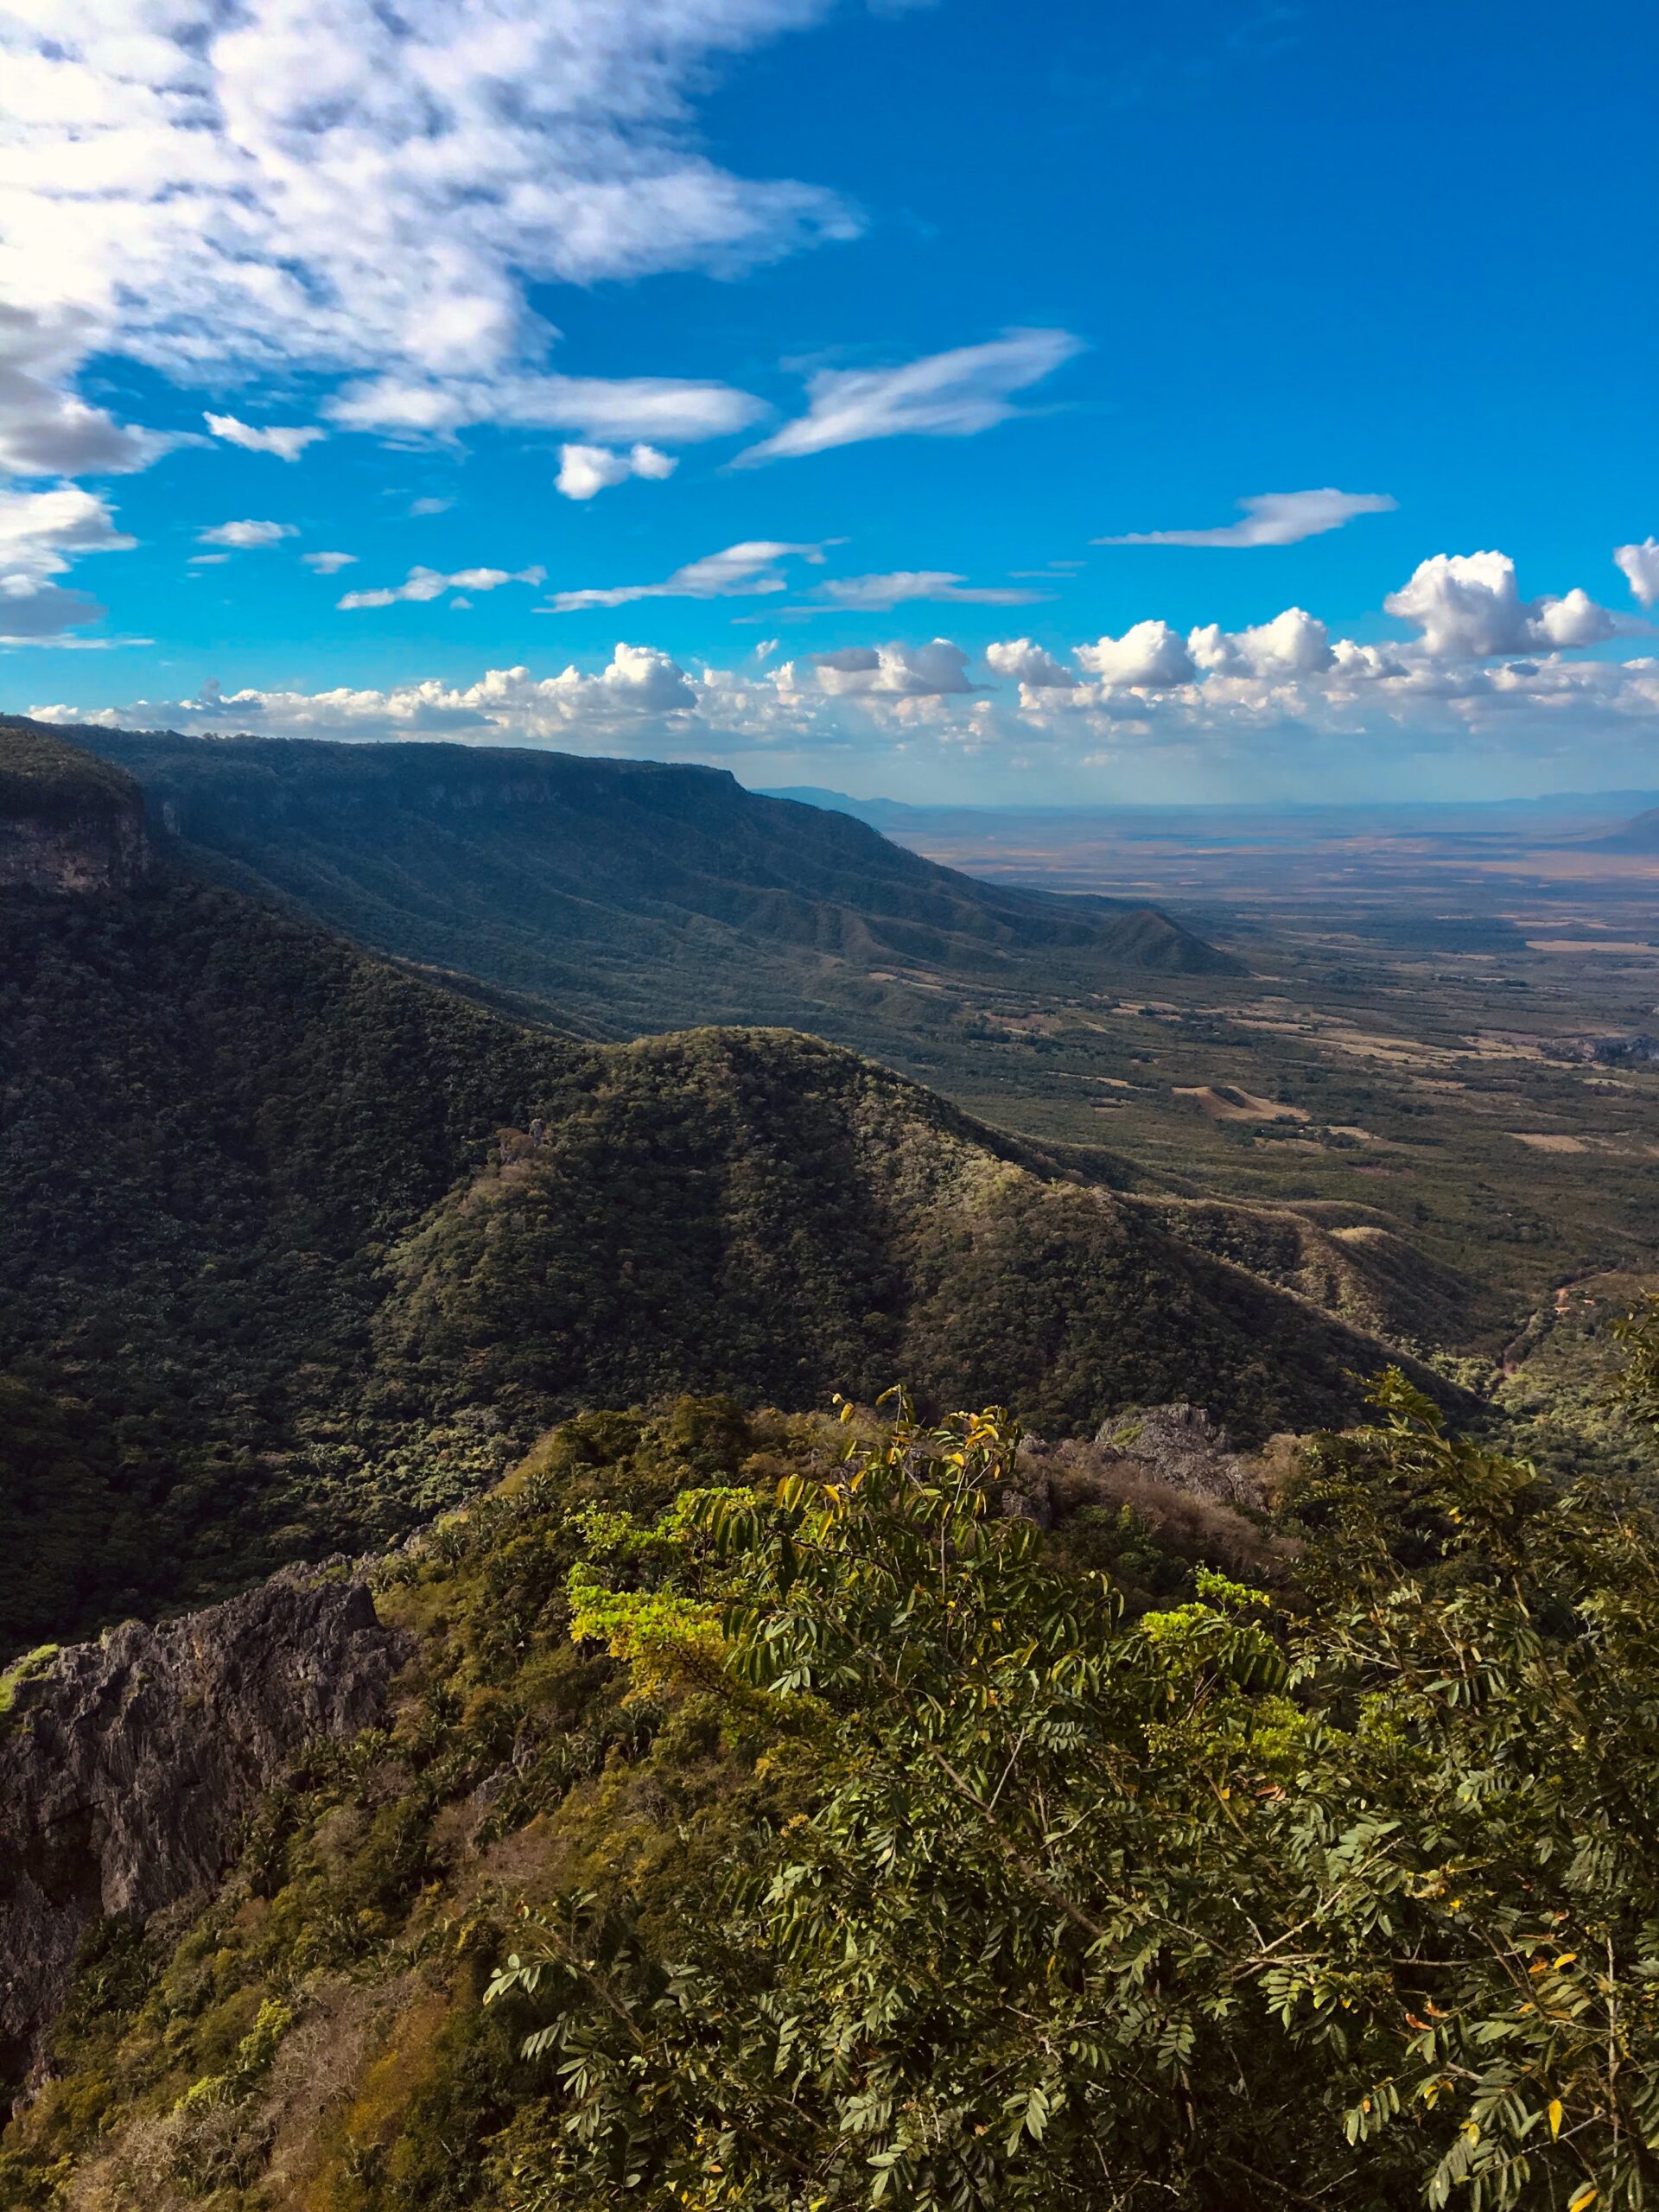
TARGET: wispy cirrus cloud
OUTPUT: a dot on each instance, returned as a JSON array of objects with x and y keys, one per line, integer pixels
[
  {"x": 952, "y": 395},
  {"x": 286, "y": 441},
  {"x": 878, "y": 593},
  {"x": 423, "y": 585},
  {"x": 741, "y": 571},
  {"x": 1272, "y": 518}
]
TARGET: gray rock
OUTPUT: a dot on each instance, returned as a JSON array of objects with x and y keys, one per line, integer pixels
[
  {"x": 127, "y": 1766},
  {"x": 1184, "y": 1446}
]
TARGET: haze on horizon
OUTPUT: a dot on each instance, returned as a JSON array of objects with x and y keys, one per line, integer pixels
[{"x": 1241, "y": 404}]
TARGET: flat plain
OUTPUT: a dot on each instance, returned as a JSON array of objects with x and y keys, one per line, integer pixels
[{"x": 1412, "y": 1040}]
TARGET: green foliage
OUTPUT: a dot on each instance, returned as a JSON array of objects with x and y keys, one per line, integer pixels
[
  {"x": 1350, "y": 1902},
  {"x": 1636, "y": 1387},
  {"x": 286, "y": 1270}
]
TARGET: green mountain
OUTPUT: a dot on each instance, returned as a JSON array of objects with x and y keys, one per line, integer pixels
[
  {"x": 300, "y": 1247},
  {"x": 628, "y": 896}
]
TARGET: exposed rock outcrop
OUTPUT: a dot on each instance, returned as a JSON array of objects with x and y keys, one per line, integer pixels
[
  {"x": 127, "y": 1766},
  {"x": 1184, "y": 1446},
  {"x": 68, "y": 823}
]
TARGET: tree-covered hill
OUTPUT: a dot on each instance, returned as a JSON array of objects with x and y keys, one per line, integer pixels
[
  {"x": 630, "y": 895},
  {"x": 300, "y": 1248},
  {"x": 776, "y": 1814}
]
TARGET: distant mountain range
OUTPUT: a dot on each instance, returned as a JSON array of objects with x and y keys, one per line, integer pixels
[
  {"x": 624, "y": 896},
  {"x": 300, "y": 1248}
]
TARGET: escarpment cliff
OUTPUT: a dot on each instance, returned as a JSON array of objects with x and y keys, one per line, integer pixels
[
  {"x": 68, "y": 823},
  {"x": 127, "y": 1766}
]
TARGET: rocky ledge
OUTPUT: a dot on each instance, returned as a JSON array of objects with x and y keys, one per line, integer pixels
[
  {"x": 127, "y": 1766},
  {"x": 68, "y": 823}
]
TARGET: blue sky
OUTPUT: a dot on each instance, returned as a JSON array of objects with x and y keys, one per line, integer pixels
[{"x": 943, "y": 296}]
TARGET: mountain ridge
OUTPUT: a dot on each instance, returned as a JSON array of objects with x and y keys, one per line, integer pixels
[
  {"x": 628, "y": 896},
  {"x": 289, "y": 1266}
]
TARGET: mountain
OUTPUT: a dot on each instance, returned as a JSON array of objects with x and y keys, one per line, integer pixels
[
  {"x": 879, "y": 813},
  {"x": 1639, "y": 834},
  {"x": 300, "y": 1247},
  {"x": 629, "y": 896}
]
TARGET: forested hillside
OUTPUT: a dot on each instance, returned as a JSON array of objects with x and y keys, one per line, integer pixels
[
  {"x": 629, "y": 895},
  {"x": 778, "y": 1813},
  {"x": 300, "y": 1248}
]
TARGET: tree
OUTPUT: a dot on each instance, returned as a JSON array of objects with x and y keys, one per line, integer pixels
[{"x": 1348, "y": 1901}]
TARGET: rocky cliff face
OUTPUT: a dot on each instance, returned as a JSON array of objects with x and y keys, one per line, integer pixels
[
  {"x": 127, "y": 1766},
  {"x": 67, "y": 822}
]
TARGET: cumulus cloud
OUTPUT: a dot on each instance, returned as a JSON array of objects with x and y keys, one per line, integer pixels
[
  {"x": 587, "y": 470},
  {"x": 1640, "y": 564},
  {"x": 328, "y": 565},
  {"x": 287, "y": 442},
  {"x": 1292, "y": 644},
  {"x": 422, "y": 584},
  {"x": 639, "y": 686},
  {"x": 1149, "y": 656},
  {"x": 41, "y": 532},
  {"x": 1264, "y": 694},
  {"x": 945, "y": 395},
  {"x": 246, "y": 536},
  {"x": 1468, "y": 605},
  {"x": 938, "y": 669},
  {"x": 346, "y": 188},
  {"x": 1272, "y": 518},
  {"x": 881, "y": 592},
  {"x": 1028, "y": 665},
  {"x": 740, "y": 571}
]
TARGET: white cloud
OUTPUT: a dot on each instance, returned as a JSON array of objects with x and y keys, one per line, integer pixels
[
  {"x": 680, "y": 411},
  {"x": 44, "y": 430},
  {"x": 288, "y": 443},
  {"x": 422, "y": 584},
  {"x": 1259, "y": 703},
  {"x": 1292, "y": 644},
  {"x": 1467, "y": 606},
  {"x": 875, "y": 592},
  {"x": 41, "y": 532},
  {"x": 429, "y": 504},
  {"x": 938, "y": 669},
  {"x": 738, "y": 572},
  {"x": 1028, "y": 665},
  {"x": 1272, "y": 518},
  {"x": 1149, "y": 656},
  {"x": 246, "y": 536},
  {"x": 1640, "y": 564},
  {"x": 945, "y": 395},
  {"x": 639, "y": 688},
  {"x": 342, "y": 186},
  {"x": 328, "y": 565},
  {"x": 586, "y": 470}
]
